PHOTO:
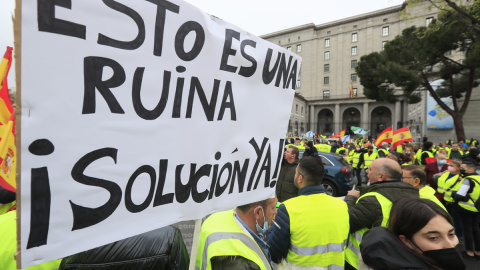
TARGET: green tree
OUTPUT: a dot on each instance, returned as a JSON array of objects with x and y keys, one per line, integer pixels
[{"x": 421, "y": 55}]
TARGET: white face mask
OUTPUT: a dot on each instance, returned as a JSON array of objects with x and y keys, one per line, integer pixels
[
  {"x": 261, "y": 230},
  {"x": 358, "y": 149}
]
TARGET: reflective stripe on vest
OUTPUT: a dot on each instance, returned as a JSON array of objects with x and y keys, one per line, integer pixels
[
  {"x": 352, "y": 253},
  {"x": 447, "y": 186},
  {"x": 249, "y": 242},
  {"x": 320, "y": 249},
  {"x": 356, "y": 159},
  {"x": 369, "y": 159},
  {"x": 308, "y": 248},
  {"x": 473, "y": 196},
  {"x": 222, "y": 235}
]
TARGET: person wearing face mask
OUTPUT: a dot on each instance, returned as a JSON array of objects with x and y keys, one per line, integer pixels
[
  {"x": 409, "y": 155},
  {"x": 420, "y": 235},
  {"x": 235, "y": 239},
  {"x": 433, "y": 168},
  {"x": 449, "y": 182},
  {"x": 466, "y": 198},
  {"x": 313, "y": 227}
]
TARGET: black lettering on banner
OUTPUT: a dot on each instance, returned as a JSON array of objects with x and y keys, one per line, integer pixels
[
  {"x": 248, "y": 71},
  {"x": 47, "y": 22},
  {"x": 40, "y": 204},
  {"x": 162, "y": 7},
  {"x": 267, "y": 74},
  {"x": 93, "y": 70},
  {"x": 84, "y": 217},
  {"x": 182, "y": 33},
  {"x": 259, "y": 152},
  {"x": 124, "y": 45},
  {"x": 39, "y": 207},
  {"x": 160, "y": 198},
  {"x": 129, "y": 204},
  {"x": 177, "y": 101},
  {"x": 228, "y": 94},
  {"x": 267, "y": 163},
  {"x": 219, "y": 189},
  {"x": 41, "y": 147},
  {"x": 137, "y": 101},
  {"x": 279, "y": 157},
  {"x": 283, "y": 71},
  {"x": 293, "y": 76},
  {"x": 218, "y": 155},
  {"x": 227, "y": 50},
  {"x": 182, "y": 192},
  {"x": 241, "y": 174},
  {"x": 195, "y": 176},
  {"x": 208, "y": 108}
]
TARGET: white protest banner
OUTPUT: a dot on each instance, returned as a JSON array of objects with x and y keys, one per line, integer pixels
[{"x": 139, "y": 114}]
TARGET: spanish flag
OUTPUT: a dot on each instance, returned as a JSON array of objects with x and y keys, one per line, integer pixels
[
  {"x": 340, "y": 134},
  {"x": 385, "y": 136},
  {"x": 401, "y": 135},
  {"x": 7, "y": 128}
]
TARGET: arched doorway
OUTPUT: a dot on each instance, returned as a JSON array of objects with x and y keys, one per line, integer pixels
[
  {"x": 351, "y": 117},
  {"x": 381, "y": 118},
  {"x": 325, "y": 122}
]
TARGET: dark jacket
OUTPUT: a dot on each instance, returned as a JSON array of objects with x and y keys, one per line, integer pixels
[
  {"x": 278, "y": 240},
  {"x": 367, "y": 213},
  {"x": 381, "y": 250},
  {"x": 431, "y": 169},
  {"x": 285, "y": 188},
  {"x": 158, "y": 249}
]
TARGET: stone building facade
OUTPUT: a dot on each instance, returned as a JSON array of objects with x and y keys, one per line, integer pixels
[{"x": 328, "y": 85}]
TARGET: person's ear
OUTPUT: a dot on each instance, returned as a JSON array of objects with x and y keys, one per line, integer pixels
[
  {"x": 257, "y": 212},
  {"x": 416, "y": 181},
  {"x": 405, "y": 241}
]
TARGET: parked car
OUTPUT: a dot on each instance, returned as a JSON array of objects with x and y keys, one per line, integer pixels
[{"x": 338, "y": 179}]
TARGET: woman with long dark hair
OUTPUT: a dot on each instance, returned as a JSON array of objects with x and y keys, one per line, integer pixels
[{"x": 420, "y": 235}]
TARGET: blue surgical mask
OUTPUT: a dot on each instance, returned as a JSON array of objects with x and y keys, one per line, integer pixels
[
  {"x": 263, "y": 230},
  {"x": 442, "y": 162}
]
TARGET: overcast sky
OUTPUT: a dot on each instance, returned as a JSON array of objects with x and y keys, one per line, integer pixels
[{"x": 255, "y": 16}]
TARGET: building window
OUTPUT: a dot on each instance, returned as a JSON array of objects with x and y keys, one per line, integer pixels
[
  {"x": 385, "y": 20},
  {"x": 385, "y": 31},
  {"x": 354, "y": 37},
  {"x": 327, "y": 42},
  {"x": 447, "y": 53},
  {"x": 298, "y": 84},
  {"x": 326, "y": 94},
  {"x": 383, "y": 45},
  {"x": 289, "y": 48},
  {"x": 299, "y": 48},
  {"x": 326, "y": 68},
  {"x": 428, "y": 21},
  {"x": 327, "y": 55},
  {"x": 353, "y": 77},
  {"x": 302, "y": 109},
  {"x": 354, "y": 50},
  {"x": 354, "y": 64},
  {"x": 326, "y": 80},
  {"x": 354, "y": 92}
]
